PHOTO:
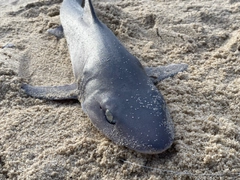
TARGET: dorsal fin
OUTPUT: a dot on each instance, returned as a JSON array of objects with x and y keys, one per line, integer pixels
[
  {"x": 88, "y": 8},
  {"x": 75, "y": 10}
]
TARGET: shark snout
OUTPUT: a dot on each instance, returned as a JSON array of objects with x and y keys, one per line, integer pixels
[{"x": 149, "y": 132}]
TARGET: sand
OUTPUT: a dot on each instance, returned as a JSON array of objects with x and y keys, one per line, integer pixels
[{"x": 41, "y": 139}]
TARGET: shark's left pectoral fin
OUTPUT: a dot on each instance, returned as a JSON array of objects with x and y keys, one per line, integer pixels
[
  {"x": 52, "y": 92},
  {"x": 162, "y": 72}
]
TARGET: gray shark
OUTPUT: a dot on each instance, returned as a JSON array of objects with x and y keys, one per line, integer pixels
[{"x": 114, "y": 89}]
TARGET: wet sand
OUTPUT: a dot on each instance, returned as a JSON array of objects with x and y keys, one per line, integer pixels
[{"x": 55, "y": 140}]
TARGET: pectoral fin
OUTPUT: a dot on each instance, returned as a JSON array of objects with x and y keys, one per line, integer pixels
[
  {"x": 52, "y": 92},
  {"x": 162, "y": 72}
]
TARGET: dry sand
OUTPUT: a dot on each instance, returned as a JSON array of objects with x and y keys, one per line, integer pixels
[{"x": 56, "y": 140}]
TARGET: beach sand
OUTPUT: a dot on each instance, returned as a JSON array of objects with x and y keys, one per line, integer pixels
[{"x": 42, "y": 139}]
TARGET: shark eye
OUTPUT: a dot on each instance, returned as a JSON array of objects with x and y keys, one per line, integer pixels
[{"x": 109, "y": 117}]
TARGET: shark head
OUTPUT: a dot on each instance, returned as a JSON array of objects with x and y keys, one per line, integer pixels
[{"x": 136, "y": 118}]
